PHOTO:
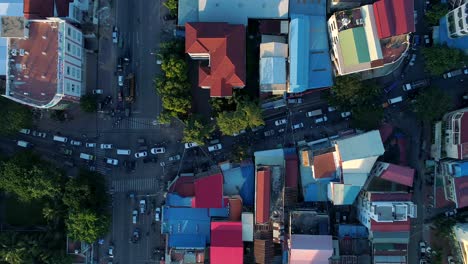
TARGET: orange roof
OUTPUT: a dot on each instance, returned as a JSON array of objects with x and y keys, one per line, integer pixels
[
  {"x": 226, "y": 46},
  {"x": 324, "y": 166},
  {"x": 262, "y": 211}
]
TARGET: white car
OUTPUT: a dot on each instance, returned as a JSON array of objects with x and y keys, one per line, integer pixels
[
  {"x": 321, "y": 119},
  {"x": 141, "y": 154},
  {"x": 157, "y": 215},
  {"x": 297, "y": 126},
  {"x": 39, "y": 134},
  {"x": 331, "y": 108},
  {"x": 90, "y": 145},
  {"x": 239, "y": 133},
  {"x": 134, "y": 216},
  {"x": 422, "y": 247},
  {"x": 345, "y": 114},
  {"x": 112, "y": 161},
  {"x": 160, "y": 150},
  {"x": 98, "y": 91},
  {"x": 190, "y": 145},
  {"x": 215, "y": 147},
  {"x": 25, "y": 131},
  {"x": 281, "y": 122},
  {"x": 106, "y": 146},
  {"x": 413, "y": 59},
  {"x": 75, "y": 143},
  {"x": 115, "y": 35},
  {"x": 451, "y": 213},
  {"x": 142, "y": 206},
  {"x": 111, "y": 251},
  {"x": 121, "y": 80}
]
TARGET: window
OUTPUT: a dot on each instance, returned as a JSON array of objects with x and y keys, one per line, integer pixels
[
  {"x": 78, "y": 52},
  {"x": 68, "y": 47},
  {"x": 78, "y": 74},
  {"x": 74, "y": 50},
  {"x": 73, "y": 72},
  {"x": 74, "y": 34},
  {"x": 69, "y": 31},
  {"x": 68, "y": 70},
  {"x": 73, "y": 87}
]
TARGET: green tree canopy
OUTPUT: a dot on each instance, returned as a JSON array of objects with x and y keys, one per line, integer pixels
[
  {"x": 252, "y": 113},
  {"x": 439, "y": 59},
  {"x": 88, "y": 103},
  {"x": 431, "y": 104},
  {"x": 14, "y": 117},
  {"x": 172, "y": 6},
  {"x": 28, "y": 177},
  {"x": 86, "y": 225},
  {"x": 175, "y": 68},
  {"x": 197, "y": 130},
  {"x": 247, "y": 114},
  {"x": 435, "y": 13},
  {"x": 367, "y": 117},
  {"x": 349, "y": 91}
]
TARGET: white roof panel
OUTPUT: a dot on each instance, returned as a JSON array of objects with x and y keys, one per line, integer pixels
[
  {"x": 361, "y": 146},
  {"x": 273, "y": 70}
]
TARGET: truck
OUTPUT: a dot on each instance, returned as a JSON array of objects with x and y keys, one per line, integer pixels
[
  {"x": 453, "y": 73},
  {"x": 416, "y": 84},
  {"x": 130, "y": 98}
]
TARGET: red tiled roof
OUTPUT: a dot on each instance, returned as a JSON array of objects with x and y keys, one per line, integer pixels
[
  {"x": 38, "y": 9},
  {"x": 226, "y": 243},
  {"x": 324, "y": 166},
  {"x": 394, "y": 17},
  {"x": 226, "y": 46},
  {"x": 389, "y": 196},
  {"x": 262, "y": 211},
  {"x": 399, "y": 174},
  {"x": 396, "y": 226},
  {"x": 209, "y": 192},
  {"x": 461, "y": 190},
  {"x": 291, "y": 171}
]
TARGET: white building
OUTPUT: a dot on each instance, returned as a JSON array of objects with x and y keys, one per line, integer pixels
[
  {"x": 451, "y": 136},
  {"x": 457, "y": 21}
]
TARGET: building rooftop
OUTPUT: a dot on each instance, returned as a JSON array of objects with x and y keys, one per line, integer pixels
[
  {"x": 390, "y": 226},
  {"x": 311, "y": 249},
  {"x": 240, "y": 180},
  {"x": 226, "y": 243},
  {"x": 440, "y": 35},
  {"x": 12, "y": 26},
  {"x": 312, "y": 8},
  {"x": 33, "y": 64},
  {"x": 309, "y": 222},
  {"x": 272, "y": 70},
  {"x": 262, "y": 203},
  {"x": 353, "y": 231},
  {"x": 461, "y": 191},
  {"x": 343, "y": 194},
  {"x": 394, "y": 17},
  {"x": 225, "y": 45},
  {"x": 360, "y": 146},
  {"x": 324, "y": 166},
  {"x": 38, "y": 9},
  {"x": 313, "y": 189},
  {"x": 209, "y": 192},
  {"x": 398, "y": 174}
]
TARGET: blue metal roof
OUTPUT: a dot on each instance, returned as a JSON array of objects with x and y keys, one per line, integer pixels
[
  {"x": 187, "y": 227},
  {"x": 316, "y": 192},
  {"x": 458, "y": 43},
  {"x": 310, "y": 63},
  {"x": 173, "y": 199},
  {"x": 354, "y": 231},
  {"x": 309, "y": 7},
  {"x": 240, "y": 181},
  {"x": 461, "y": 169}
]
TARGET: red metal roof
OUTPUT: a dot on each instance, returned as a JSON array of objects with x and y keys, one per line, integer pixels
[
  {"x": 184, "y": 186},
  {"x": 262, "y": 203},
  {"x": 324, "y": 166},
  {"x": 396, "y": 226},
  {"x": 292, "y": 171},
  {"x": 209, "y": 192},
  {"x": 226, "y": 243},
  {"x": 226, "y": 46},
  {"x": 394, "y": 17},
  {"x": 399, "y": 174},
  {"x": 38, "y": 9},
  {"x": 388, "y": 196},
  {"x": 235, "y": 209},
  {"x": 461, "y": 189}
]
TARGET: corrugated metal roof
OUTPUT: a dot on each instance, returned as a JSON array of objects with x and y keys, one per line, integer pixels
[
  {"x": 361, "y": 146},
  {"x": 226, "y": 243},
  {"x": 187, "y": 12},
  {"x": 394, "y": 17},
  {"x": 311, "y": 249},
  {"x": 262, "y": 203},
  {"x": 186, "y": 227},
  {"x": 341, "y": 194},
  {"x": 399, "y": 174},
  {"x": 209, "y": 192},
  {"x": 391, "y": 237},
  {"x": 272, "y": 70},
  {"x": 292, "y": 172},
  {"x": 247, "y": 226},
  {"x": 324, "y": 166},
  {"x": 313, "y": 8},
  {"x": 354, "y": 231},
  {"x": 390, "y": 226},
  {"x": 461, "y": 169}
]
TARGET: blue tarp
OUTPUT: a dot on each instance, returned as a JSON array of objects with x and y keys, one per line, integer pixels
[
  {"x": 248, "y": 188},
  {"x": 461, "y": 169},
  {"x": 354, "y": 231}
]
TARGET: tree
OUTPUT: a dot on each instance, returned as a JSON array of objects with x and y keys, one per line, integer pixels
[
  {"x": 252, "y": 113},
  {"x": 172, "y": 48},
  {"x": 14, "y": 117},
  {"x": 172, "y": 6},
  {"x": 431, "y": 104},
  {"x": 88, "y": 103},
  {"x": 439, "y": 59},
  {"x": 435, "y": 13},
  {"x": 197, "y": 130},
  {"x": 367, "y": 117},
  {"x": 86, "y": 225},
  {"x": 230, "y": 123},
  {"x": 349, "y": 91},
  {"x": 29, "y": 177},
  {"x": 175, "y": 68}
]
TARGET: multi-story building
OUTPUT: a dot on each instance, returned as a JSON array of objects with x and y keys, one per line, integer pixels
[
  {"x": 457, "y": 20},
  {"x": 71, "y": 10},
  {"x": 46, "y": 64},
  {"x": 451, "y": 136},
  {"x": 461, "y": 236},
  {"x": 454, "y": 175}
]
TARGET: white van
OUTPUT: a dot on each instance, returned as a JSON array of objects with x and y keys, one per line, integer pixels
[
  {"x": 123, "y": 152},
  {"x": 24, "y": 144},
  {"x": 60, "y": 139},
  {"x": 314, "y": 113},
  {"x": 86, "y": 156},
  {"x": 395, "y": 100}
]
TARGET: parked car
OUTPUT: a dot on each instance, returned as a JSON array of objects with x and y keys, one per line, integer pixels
[
  {"x": 111, "y": 161},
  {"x": 422, "y": 248},
  {"x": 239, "y": 133},
  {"x": 157, "y": 214},
  {"x": 159, "y": 150},
  {"x": 451, "y": 213},
  {"x": 98, "y": 91},
  {"x": 141, "y": 154},
  {"x": 174, "y": 158},
  {"x": 134, "y": 216},
  {"x": 75, "y": 143},
  {"x": 297, "y": 126},
  {"x": 115, "y": 35},
  {"x": 345, "y": 114},
  {"x": 453, "y": 73},
  {"x": 281, "y": 122},
  {"x": 120, "y": 79},
  {"x": 136, "y": 235},
  {"x": 215, "y": 147},
  {"x": 106, "y": 146},
  {"x": 331, "y": 109},
  {"x": 413, "y": 59},
  {"x": 316, "y": 112},
  {"x": 25, "y": 131},
  {"x": 427, "y": 41},
  {"x": 416, "y": 84},
  {"x": 111, "y": 252},
  {"x": 465, "y": 71},
  {"x": 39, "y": 134},
  {"x": 321, "y": 119},
  {"x": 142, "y": 206},
  {"x": 90, "y": 145},
  {"x": 295, "y": 101},
  {"x": 191, "y": 145},
  {"x": 269, "y": 133}
]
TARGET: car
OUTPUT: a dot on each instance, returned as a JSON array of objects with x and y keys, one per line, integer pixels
[
  {"x": 331, "y": 109},
  {"x": 239, "y": 133},
  {"x": 157, "y": 214},
  {"x": 316, "y": 112},
  {"x": 159, "y": 150},
  {"x": 115, "y": 35},
  {"x": 281, "y": 122},
  {"x": 111, "y": 161},
  {"x": 416, "y": 84},
  {"x": 453, "y": 73},
  {"x": 269, "y": 133},
  {"x": 450, "y": 260},
  {"x": 142, "y": 206},
  {"x": 135, "y": 235},
  {"x": 281, "y": 130},
  {"x": 75, "y": 143},
  {"x": 297, "y": 126},
  {"x": 422, "y": 261},
  {"x": 413, "y": 59},
  {"x": 190, "y": 145},
  {"x": 345, "y": 114},
  {"x": 255, "y": 129},
  {"x": 427, "y": 41},
  {"x": 90, "y": 145},
  {"x": 121, "y": 80},
  {"x": 295, "y": 101},
  {"x": 39, "y": 134},
  {"x": 465, "y": 71},
  {"x": 215, "y": 147},
  {"x": 321, "y": 119},
  {"x": 25, "y": 131},
  {"x": 134, "y": 216},
  {"x": 141, "y": 154},
  {"x": 66, "y": 152},
  {"x": 98, "y": 91},
  {"x": 451, "y": 213},
  {"x": 174, "y": 158},
  {"x": 111, "y": 251},
  {"x": 422, "y": 248},
  {"x": 106, "y": 146}
]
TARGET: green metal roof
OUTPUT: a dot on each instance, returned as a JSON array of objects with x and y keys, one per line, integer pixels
[{"x": 354, "y": 46}]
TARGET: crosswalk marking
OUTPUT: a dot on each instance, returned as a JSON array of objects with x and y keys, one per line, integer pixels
[
  {"x": 136, "y": 123},
  {"x": 150, "y": 185}
]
